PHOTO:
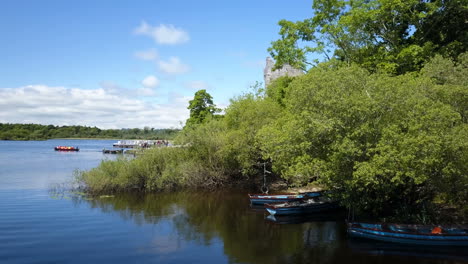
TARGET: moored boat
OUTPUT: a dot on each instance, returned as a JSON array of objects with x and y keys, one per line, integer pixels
[
  {"x": 302, "y": 206},
  {"x": 66, "y": 148},
  {"x": 261, "y": 199},
  {"x": 298, "y": 218},
  {"x": 112, "y": 151},
  {"x": 411, "y": 234}
]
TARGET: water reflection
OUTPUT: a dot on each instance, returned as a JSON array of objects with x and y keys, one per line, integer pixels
[
  {"x": 378, "y": 248},
  {"x": 206, "y": 218},
  {"x": 246, "y": 235},
  {"x": 210, "y": 227}
]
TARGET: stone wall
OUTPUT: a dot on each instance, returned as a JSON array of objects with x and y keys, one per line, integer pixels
[{"x": 269, "y": 75}]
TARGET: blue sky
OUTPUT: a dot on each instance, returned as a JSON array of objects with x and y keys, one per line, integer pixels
[{"x": 116, "y": 64}]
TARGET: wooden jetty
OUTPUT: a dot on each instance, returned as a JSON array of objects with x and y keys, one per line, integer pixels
[{"x": 140, "y": 143}]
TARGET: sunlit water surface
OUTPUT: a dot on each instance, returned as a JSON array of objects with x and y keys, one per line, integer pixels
[{"x": 40, "y": 225}]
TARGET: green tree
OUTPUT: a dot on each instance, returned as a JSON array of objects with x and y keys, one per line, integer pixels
[
  {"x": 450, "y": 75},
  {"x": 386, "y": 144},
  {"x": 201, "y": 107},
  {"x": 278, "y": 89},
  {"x": 41, "y": 132},
  {"x": 389, "y": 35},
  {"x": 245, "y": 116}
]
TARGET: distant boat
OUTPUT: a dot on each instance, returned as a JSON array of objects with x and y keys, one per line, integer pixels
[
  {"x": 66, "y": 148},
  {"x": 112, "y": 151},
  {"x": 261, "y": 199},
  {"x": 411, "y": 234},
  {"x": 302, "y": 206}
]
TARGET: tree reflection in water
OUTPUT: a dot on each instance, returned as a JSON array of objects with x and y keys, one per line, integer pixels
[{"x": 246, "y": 236}]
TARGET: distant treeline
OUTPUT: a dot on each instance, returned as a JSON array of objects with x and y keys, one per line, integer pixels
[{"x": 43, "y": 132}]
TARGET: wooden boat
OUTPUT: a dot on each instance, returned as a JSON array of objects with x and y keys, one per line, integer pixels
[
  {"x": 261, "y": 199},
  {"x": 66, "y": 148},
  {"x": 112, "y": 151},
  {"x": 298, "y": 218},
  {"x": 411, "y": 234},
  {"x": 302, "y": 206}
]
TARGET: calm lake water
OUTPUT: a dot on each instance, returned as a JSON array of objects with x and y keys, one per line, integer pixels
[{"x": 39, "y": 225}]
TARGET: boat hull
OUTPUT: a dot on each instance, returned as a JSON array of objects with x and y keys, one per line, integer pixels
[
  {"x": 408, "y": 238},
  {"x": 112, "y": 151},
  {"x": 298, "y": 219},
  {"x": 66, "y": 149},
  {"x": 261, "y": 199},
  {"x": 300, "y": 210}
]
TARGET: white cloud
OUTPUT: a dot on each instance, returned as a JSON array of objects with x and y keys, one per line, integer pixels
[
  {"x": 150, "y": 81},
  {"x": 197, "y": 85},
  {"x": 173, "y": 66},
  {"x": 148, "y": 55},
  {"x": 146, "y": 92},
  {"x": 163, "y": 34},
  {"x": 43, "y": 104}
]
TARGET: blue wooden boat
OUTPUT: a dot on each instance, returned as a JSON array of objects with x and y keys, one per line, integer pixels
[
  {"x": 261, "y": 199},
  {"x": 302, "y": 206},
  {"x": 411, "y": 234}
]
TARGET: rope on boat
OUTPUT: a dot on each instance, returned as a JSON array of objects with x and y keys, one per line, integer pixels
[{"x": 264, "y": 188}]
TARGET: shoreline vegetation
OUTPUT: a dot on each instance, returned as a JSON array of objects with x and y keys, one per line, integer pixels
[
  {"x": 45, "y": 132},
  {"x": 382, "y": 123},
  {"x": 390, "y": 147}
]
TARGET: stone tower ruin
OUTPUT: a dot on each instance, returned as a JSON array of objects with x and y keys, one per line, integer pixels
[{"x": 286, "y": 70}]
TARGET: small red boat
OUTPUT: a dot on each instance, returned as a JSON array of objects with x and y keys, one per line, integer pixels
[{"x": 66, "y": 148}]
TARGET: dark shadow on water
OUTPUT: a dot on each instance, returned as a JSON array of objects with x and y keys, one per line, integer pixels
[
  {"x": 250, "y": 236},
  {"x": 378, "y": 248}
]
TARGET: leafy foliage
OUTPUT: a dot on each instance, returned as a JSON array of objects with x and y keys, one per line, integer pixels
[
  {"x": 387, "y": 145},
  {"x": 201, "y": 108},
  {"x": 387, "y": 35},
  {"x": 382, "y": 123},
  {"x": 43, "y": 132},
  {"x": 384, "y": 143},
  {"x": 278, "y": 89},
  {"x": 245, "y": 116}
]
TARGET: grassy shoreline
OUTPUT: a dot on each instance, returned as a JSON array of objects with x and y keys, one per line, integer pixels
[{"x": 169, "y": 169}]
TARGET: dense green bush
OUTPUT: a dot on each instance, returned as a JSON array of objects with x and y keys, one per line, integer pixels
[{"x": 387, "y": 145}]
